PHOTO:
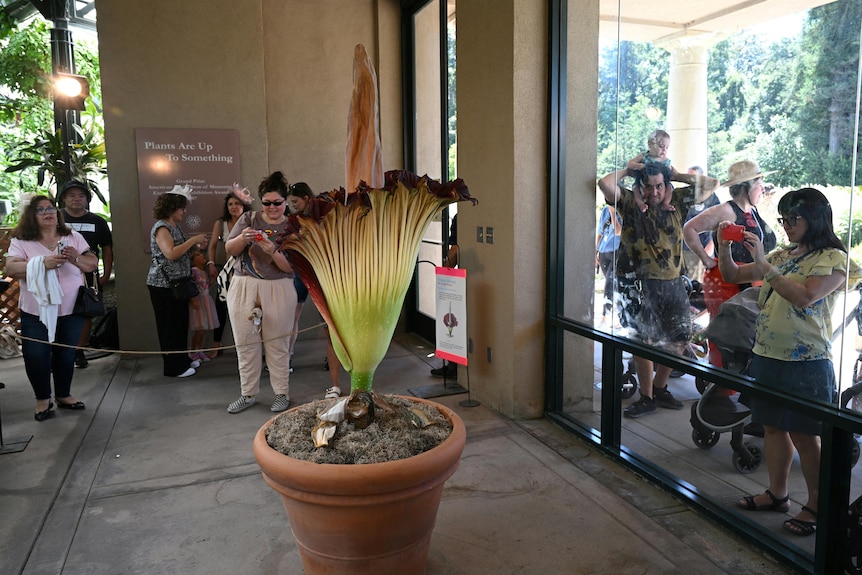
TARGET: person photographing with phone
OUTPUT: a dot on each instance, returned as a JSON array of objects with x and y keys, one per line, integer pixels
[{"x": 745, "y": 182}]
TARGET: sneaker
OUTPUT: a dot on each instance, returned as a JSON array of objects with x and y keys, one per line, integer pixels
[
  {"x": 280, "y": 404},
  {"x": 240, "y": 404},
  {"x": 187, "y": 373},
  {"x": 80, "y": 359},
  {"x": 663, "y": 398},
  {"x": 196, "y": 363},
  {"x": 641, "y": 407},
  {"x": 332, "y": 392}
]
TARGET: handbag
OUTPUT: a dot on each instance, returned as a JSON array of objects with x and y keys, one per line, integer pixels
[
  {"x": 182, "y": 289},
  {"x": 223, "y": 279},
  {"x": 89, "y": 301}
]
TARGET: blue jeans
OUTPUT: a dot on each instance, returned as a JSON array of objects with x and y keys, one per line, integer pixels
[{"x": 41, "y": 360}]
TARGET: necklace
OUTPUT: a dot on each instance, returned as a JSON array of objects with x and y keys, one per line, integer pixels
[{"x": 52, "y": 243}]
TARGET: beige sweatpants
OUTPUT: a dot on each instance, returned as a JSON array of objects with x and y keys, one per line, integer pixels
[{"x": 277, "y": 301}]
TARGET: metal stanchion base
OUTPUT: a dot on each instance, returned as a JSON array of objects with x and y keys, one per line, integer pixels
[
  {"x": 15, "y": 445},
  {"x": 469, "y": 403}
]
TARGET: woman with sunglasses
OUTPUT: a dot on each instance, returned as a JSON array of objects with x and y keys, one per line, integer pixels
[
  {"x": 745, "y": 182},
  {"x": 261, "y": 296},
  {"x": 792, "y": 342},
  {"x": 49, "y": 260}
]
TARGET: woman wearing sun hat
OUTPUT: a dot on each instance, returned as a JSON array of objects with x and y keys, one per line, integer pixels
[
  {"x": 171, "y": 260},
  {"x": 745, "y": 182}
]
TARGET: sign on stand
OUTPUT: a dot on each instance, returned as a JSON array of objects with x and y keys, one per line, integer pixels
[{"x": 451, "y": 325}]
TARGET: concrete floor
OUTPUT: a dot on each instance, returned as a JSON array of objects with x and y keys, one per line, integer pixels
[{"x": 155, "y": 477}]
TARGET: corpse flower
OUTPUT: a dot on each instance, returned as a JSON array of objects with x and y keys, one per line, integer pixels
[
  {"x": 449, "y": 320},
  {"x": 356, "y": 253}
]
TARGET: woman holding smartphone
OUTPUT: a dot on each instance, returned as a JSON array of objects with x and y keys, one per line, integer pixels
[{"x": 745, "y": 181}]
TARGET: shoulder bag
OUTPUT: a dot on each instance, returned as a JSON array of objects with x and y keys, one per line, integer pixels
[
  {"x": 89, "y": 301},
  {"x": 183, "y": 289}
]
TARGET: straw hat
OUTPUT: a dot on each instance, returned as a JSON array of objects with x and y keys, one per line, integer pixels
[
  {"x": 744, "y": 171},
  {"x": 184, "y": 191}
]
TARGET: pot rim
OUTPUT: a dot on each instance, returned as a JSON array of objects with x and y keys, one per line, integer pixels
[{"x": 369, "y": 477}]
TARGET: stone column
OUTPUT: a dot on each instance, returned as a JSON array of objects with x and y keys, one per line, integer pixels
[{"x": 686, "y": 101}]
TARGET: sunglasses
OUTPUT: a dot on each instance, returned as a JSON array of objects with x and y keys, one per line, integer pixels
[
  {"x": 46, "y": 210},
  {"x": 789, "y": 221},
  {"x": 275, "y": 203}
]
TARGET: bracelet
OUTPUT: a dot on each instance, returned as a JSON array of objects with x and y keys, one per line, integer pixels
[
  {"x": 210, "y": 262},
  {"x": 772, "y": 276}
]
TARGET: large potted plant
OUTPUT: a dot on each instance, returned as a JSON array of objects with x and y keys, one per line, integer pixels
[{"x": 356, "y": 253}]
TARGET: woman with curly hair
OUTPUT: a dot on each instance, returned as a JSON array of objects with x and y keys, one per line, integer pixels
[{"x": 171, "y": 261}]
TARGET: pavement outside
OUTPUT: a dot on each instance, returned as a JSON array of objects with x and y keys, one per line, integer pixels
[{"x": 155, "y": 477}]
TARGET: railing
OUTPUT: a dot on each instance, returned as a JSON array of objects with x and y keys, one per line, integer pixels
[
  {"x": 9, "y": 312},
  {"x": 839, "y": 427}
]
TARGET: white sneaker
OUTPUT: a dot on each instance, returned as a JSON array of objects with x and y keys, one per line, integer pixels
[
  {"x": 195, "y": 364},
  {"x": 240, "y": 404},
  {"x": 332, "y": 392},
  {"x": 188, "y": 372},
  {"x": 280, "y": 404}
]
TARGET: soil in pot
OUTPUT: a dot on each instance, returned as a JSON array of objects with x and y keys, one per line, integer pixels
[{"x": 394, "y": 434}]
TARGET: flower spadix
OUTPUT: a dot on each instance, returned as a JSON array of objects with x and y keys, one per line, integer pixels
[{"x": 356, "y": 253}]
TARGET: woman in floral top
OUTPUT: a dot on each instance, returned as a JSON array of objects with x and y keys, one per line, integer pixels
[{"x": 792, "y": 349}]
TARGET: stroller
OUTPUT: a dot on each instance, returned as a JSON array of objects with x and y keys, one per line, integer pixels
[{"x": 719, "y": 409}]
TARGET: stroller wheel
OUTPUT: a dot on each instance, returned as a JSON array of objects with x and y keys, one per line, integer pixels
[
  {"x": 748, "y": 466},
  {"x": 700, "y": 384},
  {"x": 705, "y": 439},
  {"x": 629, "y": 386}
]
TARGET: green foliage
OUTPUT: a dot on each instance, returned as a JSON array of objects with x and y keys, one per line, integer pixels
[
  {"x": 27, "y": 115},
  {"x": 789, "y": 104},
  {"x": 44, "y": 155}
]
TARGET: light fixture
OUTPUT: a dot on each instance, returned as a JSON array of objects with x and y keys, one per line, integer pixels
[
  {"x": 652, "y": 113},
  {"x": 70, "y": 91}
]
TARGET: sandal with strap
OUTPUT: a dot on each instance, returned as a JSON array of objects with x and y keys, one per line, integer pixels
[
  {"x": 781, "y": 505},
  {"x": 800, "y": 527}
]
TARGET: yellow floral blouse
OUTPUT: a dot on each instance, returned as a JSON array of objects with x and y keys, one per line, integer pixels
[{"x": 790, "y": 333}]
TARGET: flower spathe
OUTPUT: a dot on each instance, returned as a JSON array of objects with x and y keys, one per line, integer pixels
[{"x": 356, "y": 253}]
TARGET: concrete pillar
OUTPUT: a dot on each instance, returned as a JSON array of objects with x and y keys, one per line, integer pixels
[{"x": 686, "y": 100}]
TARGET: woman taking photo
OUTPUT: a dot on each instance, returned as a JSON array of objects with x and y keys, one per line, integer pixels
[
  {"x": 49, "y": 259},
  {"x": 234, "y": 207},
  {"x": 792, "y": 344},
  {"x": 745, "y": 181},
  {"x": 171, "y": 261},
  {"x": 261, "y": 297}
]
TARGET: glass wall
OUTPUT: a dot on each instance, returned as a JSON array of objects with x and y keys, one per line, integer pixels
[{"x": 762, "y": 99}]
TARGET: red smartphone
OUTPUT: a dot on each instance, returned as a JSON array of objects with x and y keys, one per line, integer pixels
[{"x": 732, "y": 233}]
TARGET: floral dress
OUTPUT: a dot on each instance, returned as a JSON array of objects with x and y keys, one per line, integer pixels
[{"x": 202, "y": 317}]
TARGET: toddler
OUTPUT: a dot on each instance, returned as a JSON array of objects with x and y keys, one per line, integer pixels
[
  {"x": 202, "y": 310},
  {"x": 658, "y": 145}
]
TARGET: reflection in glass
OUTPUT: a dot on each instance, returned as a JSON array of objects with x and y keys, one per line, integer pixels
[{"x": 765, "y": 102}]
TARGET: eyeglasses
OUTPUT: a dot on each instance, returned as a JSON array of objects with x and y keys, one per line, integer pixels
[
  {"x": 275, "y": 203},
  {"x": 789, "y": 221},
  {"x": 46, "y": 210}
]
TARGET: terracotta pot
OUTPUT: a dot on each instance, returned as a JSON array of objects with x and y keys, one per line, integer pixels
[{"x": 372, "y": 518}]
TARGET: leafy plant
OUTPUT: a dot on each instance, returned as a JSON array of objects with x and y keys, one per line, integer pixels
[{"x": 45, "y": 156}]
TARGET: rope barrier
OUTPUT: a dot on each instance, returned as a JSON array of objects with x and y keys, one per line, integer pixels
[{"x": 186, "y": 351}]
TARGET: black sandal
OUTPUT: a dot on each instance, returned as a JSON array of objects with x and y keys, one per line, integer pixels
[
  {"x": 800, "y": 527},
  {"x": 780, "y": 505}
]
